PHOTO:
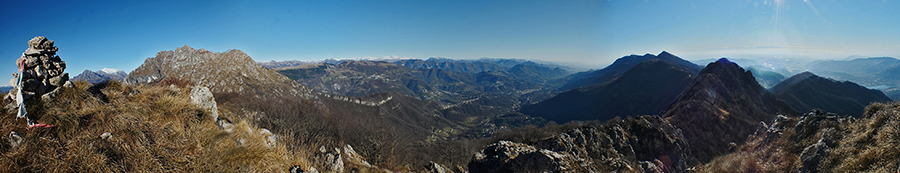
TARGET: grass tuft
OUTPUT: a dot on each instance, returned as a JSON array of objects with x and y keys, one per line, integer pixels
[{"x": 154, "y": 128}]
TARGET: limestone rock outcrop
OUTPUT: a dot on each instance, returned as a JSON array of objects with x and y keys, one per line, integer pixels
[
  {"x": 41, "y": 70},
  {"x": 637, "y": 144},
  {"x": 205, "y": 100},
  {"x": 340, "y": 159},
  {"x": 506, "y": 156},
  {"x": 232, "y": 71}
]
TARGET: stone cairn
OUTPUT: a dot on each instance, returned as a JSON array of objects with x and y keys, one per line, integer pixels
[{"x": 42, "y": 72}]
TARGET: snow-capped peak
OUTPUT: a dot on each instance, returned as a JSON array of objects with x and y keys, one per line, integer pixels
[{"x": 110, "y": 70}]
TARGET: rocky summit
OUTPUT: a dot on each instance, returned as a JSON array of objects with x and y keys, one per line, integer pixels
[{"x": 227, "y": 72}]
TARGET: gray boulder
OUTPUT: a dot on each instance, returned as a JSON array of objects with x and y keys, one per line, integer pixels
[
  {"x": 506, "y": 156},
  {"x": 205, "y": 100},
  {"x": 14, "y": 139}
]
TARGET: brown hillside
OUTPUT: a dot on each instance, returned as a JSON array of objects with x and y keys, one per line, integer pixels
[{"x": 150, "y": 128}]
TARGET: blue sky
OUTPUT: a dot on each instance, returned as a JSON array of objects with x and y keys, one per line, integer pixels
[{"x": 590, "y": 34}]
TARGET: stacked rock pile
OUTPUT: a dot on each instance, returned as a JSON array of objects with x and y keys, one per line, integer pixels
[{"x": 42, "y": 72}]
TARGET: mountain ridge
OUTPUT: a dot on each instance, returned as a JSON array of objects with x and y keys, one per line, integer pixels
[
  {"x": 617, "y": 68},
  {"x": 646, "y": 89},
  {"x": 722, "y": 106},
  {"x": 806, "y": 91},
  {"x": 230, "y": 71}
]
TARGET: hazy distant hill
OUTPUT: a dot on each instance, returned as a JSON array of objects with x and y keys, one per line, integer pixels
[
  {"x": 458, "y": 65},
  {"x": 103, "y": 75},
  {"x": 806, "y": 91},
  {"x": 439, "y": 79},
  {"x": 766, "y": 78},
  {"x": 278, "y": 64},
  {"x": 645, "y": 89},
  {"x": 5, "y": 89},
  {"x": 536, "y": 72},
  {"x": 865, "y": 71},
  {"x": 724, "y": 104},
  {"x": 617, "y": 68}
]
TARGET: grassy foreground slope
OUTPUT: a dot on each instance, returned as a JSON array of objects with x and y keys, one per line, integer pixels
[
  {"x": 820, "y": 142},
  {"x": 153, "y": 128}
]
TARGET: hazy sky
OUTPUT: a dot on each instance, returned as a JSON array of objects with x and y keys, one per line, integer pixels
[{"x": 592, "y": 34}]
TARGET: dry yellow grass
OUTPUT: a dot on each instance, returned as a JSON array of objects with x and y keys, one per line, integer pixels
[
  {"x": 153, "y": 128},
  {"x": 869, "y": 144}
]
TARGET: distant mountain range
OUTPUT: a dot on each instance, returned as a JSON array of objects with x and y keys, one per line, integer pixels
[
  {"x": 617, "y": 68},
  {"x": 806, "y": 91},
  {"x": 879, "y": 73},
  {"x": 465, "y": 89},
  {"x": 103, "y": 75},
  {"x": 279, "y": 64},
  {"x": 646, "y": 89}
]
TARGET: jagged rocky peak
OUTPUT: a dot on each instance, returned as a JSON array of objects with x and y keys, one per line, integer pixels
[
  {"x": 41, "y": 71},
  {"x": 231, "y": 71},
  {"x": 722, "y": 106}
]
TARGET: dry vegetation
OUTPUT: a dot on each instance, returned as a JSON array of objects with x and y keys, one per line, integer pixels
[
  {"x": 869, "y": 144},
  {"x": 154, "y": 128},
  {"x": 309, "y": 125}
]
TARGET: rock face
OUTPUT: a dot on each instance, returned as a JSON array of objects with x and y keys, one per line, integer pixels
[
  {"x": 621, "y": 146},
  {"x": 723, "y": 105},
  {"x": 228, "y": 72},
  {"x": 204, "y": 99},
  {"x": 41, "y": 71},
  {"x": 506, "y": 156},
  {"x": 339, "y": 160},
  {"x": 806, "y": 91},
  {"x": 14, "y": 139},
  {"x": 820, "y": 142}
]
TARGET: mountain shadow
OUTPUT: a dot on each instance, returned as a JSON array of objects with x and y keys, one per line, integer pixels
[
  {"x": 618, "y": 68},
  {"x": 646, "y": 89},
  {"x": 723, "y": 105},
  {"x": 806, "y": 91}
]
